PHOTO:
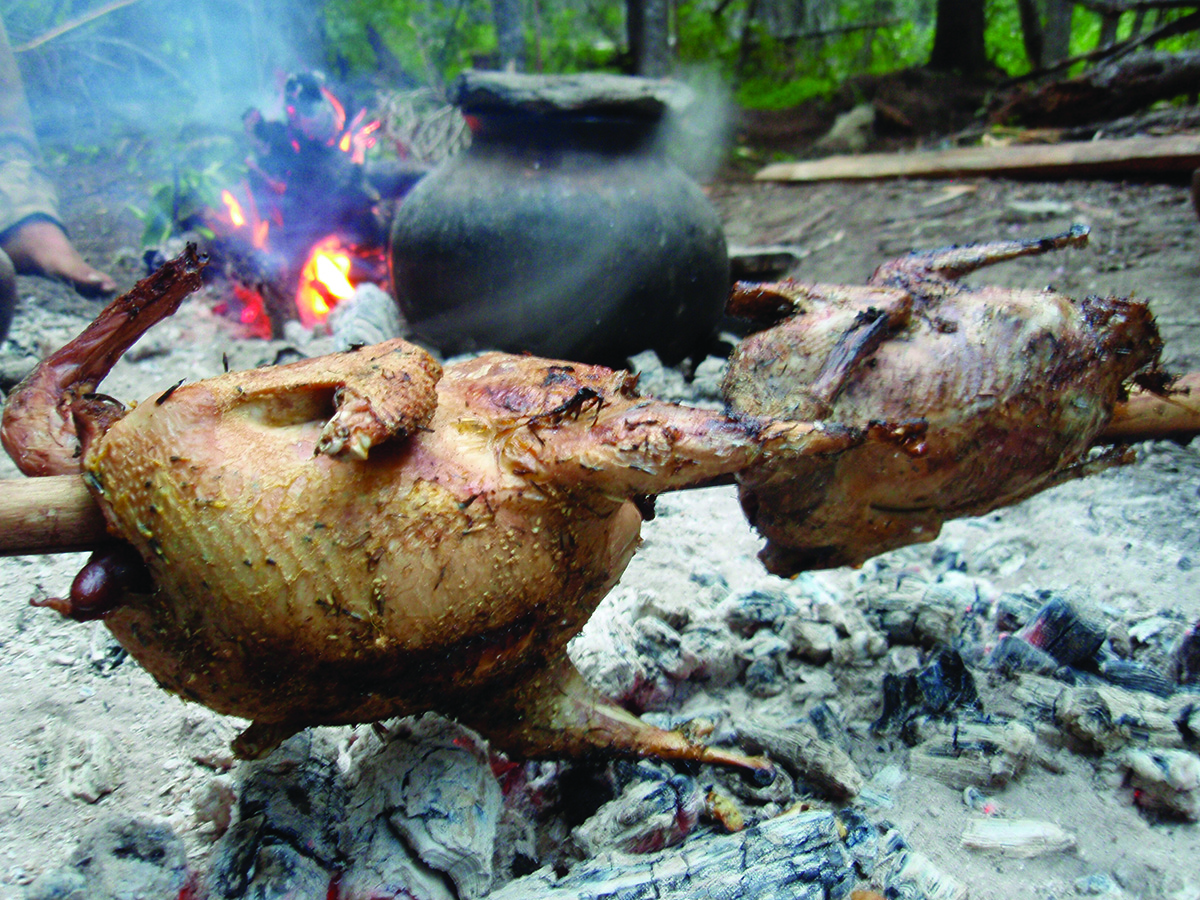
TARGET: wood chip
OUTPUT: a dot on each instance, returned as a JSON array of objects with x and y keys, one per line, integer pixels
[
  {"x": 1022, "y": 838},
  {"x": 1075, "y": 159}
]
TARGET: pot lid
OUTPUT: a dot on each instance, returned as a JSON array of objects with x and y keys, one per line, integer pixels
[{"x": 590, "y": 93}]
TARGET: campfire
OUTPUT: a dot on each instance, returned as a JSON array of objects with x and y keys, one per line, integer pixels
[{"x": 306, "y": 226}]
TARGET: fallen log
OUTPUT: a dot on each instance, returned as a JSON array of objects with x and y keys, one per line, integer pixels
[
  {"x": 1080, "y": 159},
  {"x": 1118, "y": 88}
]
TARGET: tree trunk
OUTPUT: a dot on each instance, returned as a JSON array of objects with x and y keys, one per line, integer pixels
[
  {"x": 1031, "y": 33},
  {"x": 1058, "y": 30},
  {"x": 746, "y": 42},
  {"x": 958, "y": 39},
  {"x": 648, "y": 23},
  {"x": 510, "y": 34},
  {"x": 1108, "y": 29}
]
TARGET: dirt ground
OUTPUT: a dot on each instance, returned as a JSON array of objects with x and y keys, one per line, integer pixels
[{"x": 73, "y": 712}]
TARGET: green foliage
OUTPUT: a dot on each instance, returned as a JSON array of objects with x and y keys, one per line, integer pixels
[
  {"x": 431, "y": 40},
  {"x": 434, "y": 40},
  {"x": 765, "y": 92},
  {"x": 573, "y": 40},
  {"x": 178, "y": 205},
  {"x": 779, "y": 70},
  {"x": 1003, "y": 37}
]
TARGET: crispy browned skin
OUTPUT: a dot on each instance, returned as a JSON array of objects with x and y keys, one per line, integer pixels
[
  {"x": 37, "y": 428},
  {"x": 360, "y": 536},
  {"x": 974, "y": 398},
  {"x": 296, "y": 588},
  {"x": 357, "y": 536}
]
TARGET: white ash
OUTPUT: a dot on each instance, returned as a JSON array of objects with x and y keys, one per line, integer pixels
[
  {"x": 89, "y": 767},
  {"x": 801, "y": 856},
  {"x": 119, "y": 859},
  {"x": 703, "y": 388},
  {"x": 370, "y": 316},
  {"x": 427, "y": 790},
  {"x": 1165, "y": 780},
  {"x": 1022, "y": 838},
  {"x": 647, "y": 816}
]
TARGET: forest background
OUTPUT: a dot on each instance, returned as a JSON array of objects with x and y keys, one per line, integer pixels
[
  {"x": 158, "y": 88},
  {"x": 95, "y": 68}
]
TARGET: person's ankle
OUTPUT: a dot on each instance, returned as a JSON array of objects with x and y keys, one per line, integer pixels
[{"x": 40, "y": 246}]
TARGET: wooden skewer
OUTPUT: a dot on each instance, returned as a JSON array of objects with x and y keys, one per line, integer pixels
[
  {"x": 56, "y": 514},
  {"x": 1146, "y": 417}
]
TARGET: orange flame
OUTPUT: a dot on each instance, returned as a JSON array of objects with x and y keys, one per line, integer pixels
[
  {"x": 324, "y": 281},
  {"x": 339, "y": 111},
  {"x": 240, "y": 217},
  {"x": 359, "y": 138},
  {"x": 236, "y": 216}
]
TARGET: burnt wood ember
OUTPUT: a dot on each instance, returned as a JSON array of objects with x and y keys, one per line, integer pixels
[
  {"x": 940, "y": 688},
  {"x": 303, "y": 181},
  {"x": 800, "y": 855},
  {"x": 1061, "y": 631},
  {"x": 1186, "y": 663}
]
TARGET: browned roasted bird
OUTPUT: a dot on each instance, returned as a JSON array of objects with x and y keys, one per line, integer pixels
[
  {"x": 975, "y": 397},
  {"x": 361, "y": 535}
]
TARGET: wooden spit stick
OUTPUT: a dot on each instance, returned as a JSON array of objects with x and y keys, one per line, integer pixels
[
  {"x": 1146, "y": 417},
  {"x": 56, "y": 514}
]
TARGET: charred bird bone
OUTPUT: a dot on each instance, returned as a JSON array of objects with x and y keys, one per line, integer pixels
[{"x": 451, "y": 576}]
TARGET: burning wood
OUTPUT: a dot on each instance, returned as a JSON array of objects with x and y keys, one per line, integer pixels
[{"x": 308, "y": 224}]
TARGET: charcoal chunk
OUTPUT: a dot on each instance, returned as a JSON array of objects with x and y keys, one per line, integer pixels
[{"x": 1060, "y": 630}]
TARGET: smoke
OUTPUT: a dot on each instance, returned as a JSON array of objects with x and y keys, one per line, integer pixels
[
  {"x": 698, "y": 132},
  {"x": 156, "y": 65}
]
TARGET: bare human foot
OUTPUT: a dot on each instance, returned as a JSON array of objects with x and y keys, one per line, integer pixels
[{"x": 43, "y": 248}]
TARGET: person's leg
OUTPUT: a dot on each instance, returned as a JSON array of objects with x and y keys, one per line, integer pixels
[
  {"x": 41, "y": 247},
  {"x": 31, "y": 230},
  {"x": 8, "y": 293}
]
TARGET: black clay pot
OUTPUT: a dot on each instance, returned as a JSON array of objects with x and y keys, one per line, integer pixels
[{"x": 562, "y": 231}]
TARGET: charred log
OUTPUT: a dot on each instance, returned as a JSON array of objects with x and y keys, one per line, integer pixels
[{"x": 1120, "y": 88}]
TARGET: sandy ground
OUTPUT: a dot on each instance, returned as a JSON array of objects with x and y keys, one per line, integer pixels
[{"x": 74, "y": 713}]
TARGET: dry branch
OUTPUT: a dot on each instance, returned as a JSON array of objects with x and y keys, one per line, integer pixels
[
  {"x": 72, "y": 24},
  {"x": 1077, "y": 159}
]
